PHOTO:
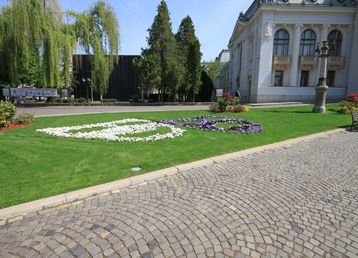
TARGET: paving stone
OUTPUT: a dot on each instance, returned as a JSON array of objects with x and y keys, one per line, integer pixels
[{"x": 300, "y": 200}]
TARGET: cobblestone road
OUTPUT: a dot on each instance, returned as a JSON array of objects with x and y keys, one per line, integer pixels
[{"x": 299, "y": 201}]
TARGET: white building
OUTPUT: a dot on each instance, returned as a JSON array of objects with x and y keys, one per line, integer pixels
[
  {"x": 273, "y": 49},
  {"x": 222, "y": 81}
]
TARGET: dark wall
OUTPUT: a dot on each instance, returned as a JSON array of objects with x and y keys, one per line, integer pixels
[{"x": 123, "y": 83}]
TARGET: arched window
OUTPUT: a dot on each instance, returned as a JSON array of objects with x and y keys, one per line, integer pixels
[
  {"x": 308, "y": 43},
  {"x": 335, "y": 43},
  {"x": 281, "y": 42}
]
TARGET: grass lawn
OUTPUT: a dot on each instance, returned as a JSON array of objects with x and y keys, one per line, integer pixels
[{"x": 35, "y": 165}]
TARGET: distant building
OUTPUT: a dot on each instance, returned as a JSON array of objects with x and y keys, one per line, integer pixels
[
  {"x": 273, "y": 49},
  {"x": 222, "y": 82},
  {"x": 123, "y": 82}
]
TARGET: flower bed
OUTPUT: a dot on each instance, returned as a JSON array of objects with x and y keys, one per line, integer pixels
[
  {"x": 126, "y": 129},
  {"x": 116, "y": 131},
  {"x": 212, "y": 122}
]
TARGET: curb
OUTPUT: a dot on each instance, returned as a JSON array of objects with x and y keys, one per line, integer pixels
[{"x": 17, "y": 212}]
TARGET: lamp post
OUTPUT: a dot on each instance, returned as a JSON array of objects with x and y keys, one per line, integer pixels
[
  {"x": 321, "y": 88},
  {"x": 87, "y": 82}
]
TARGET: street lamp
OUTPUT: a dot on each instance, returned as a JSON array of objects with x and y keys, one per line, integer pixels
[
  {"x": 321, "y": 88},
  {"x": 87, "y": 82}
]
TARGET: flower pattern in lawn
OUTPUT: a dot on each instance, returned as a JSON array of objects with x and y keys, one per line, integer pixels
[
  {"x": 116, "y": 131},
  {"x": 121, "y": 130},
  {"x": 213, "y": 122}
]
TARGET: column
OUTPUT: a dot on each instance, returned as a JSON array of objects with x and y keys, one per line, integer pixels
[
  {"x": 324, "y": 32},
  {"x": 295, "y": 55}
]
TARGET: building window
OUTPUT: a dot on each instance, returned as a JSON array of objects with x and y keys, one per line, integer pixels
[
  {"x": 308, "y": 43},
  {"x": 278, "y": 78},
  {"x": 335, "y": 43},
  {"x": 281, "y": 42},
  {"x": 331, "y": 77},
  {"x": 305, "y": 76}
]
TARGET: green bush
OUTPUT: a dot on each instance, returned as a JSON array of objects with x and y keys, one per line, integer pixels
[
  {"x": 214, "y": 107},
  {"x": 80, "y": 100},
  {"x": 227, "y": 104},
  {"x": 7, "y": 113},
  {"x": 237, "y": 108},
  {"x": 346, "y": 107},
  {"x": 24, "y": 118},
  {"x": 109, "y": 101},
  {"x": 135, "y": 99}
]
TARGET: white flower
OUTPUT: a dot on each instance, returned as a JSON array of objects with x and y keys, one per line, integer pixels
[{"x": 116, "y": 131}]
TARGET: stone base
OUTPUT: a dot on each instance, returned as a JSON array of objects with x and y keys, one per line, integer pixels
[{"x": 319, "y": 109}]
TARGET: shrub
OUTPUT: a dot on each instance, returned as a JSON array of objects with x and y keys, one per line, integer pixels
[
  {"x": 109, "y": 101},
  {"x": 349, "y": 103},
  {"x": 134, "y": 99},
  {"x": 214, "y": 107},
  {"x": 80, "y": 100},
  {"x": 24, "y": 118},
  {"x": 227, "y": 103},
  {"x": 7, "y": 112},
  {"x": 352, "y": 97},
  {"x": 237, "y": 108},
  {"x": 227, "y": 96},
  {"x": 346, "y": 107},
  {"x": 222, "y": 104}
]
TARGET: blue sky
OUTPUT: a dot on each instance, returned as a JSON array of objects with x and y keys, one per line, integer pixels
[{"x": 214, "y": 20}]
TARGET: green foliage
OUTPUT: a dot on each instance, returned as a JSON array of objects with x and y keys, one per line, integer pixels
[
  {"x": 190, "y": 57},
  {"x": 97, "y": 33},
  {"x": 212, "y": 69},
  {"x": 346, "y": 107},
  {"x": 238, "y": 108},
  {"x": 206, "y": 87},
  {"x": 7, "y": 112},
  {"x": 227, "y": 103},
  {"x": 23, "y": 119},
  {"x": 36, "y": 46},
  {"x": 159, "y": 67}
]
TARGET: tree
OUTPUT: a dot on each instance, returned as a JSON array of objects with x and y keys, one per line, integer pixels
[
  {"x": 158, "y": 67},
  {"x": 206, "y": 87},
  {"x": 212, "y": 69},
  {"x": 36, "y": 46},
  {"x": 97, "y": 33},
  {"x": 189, "y": 51}
]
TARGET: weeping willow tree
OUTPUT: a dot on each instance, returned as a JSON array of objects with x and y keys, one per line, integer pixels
[
  {"x": 97, "y": 34},
  {"x": 36, "y": 46},
  {"x": 30, "y": 43}
]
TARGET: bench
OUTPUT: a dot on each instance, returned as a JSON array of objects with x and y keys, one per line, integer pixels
[{"x": 354, "y": 119}]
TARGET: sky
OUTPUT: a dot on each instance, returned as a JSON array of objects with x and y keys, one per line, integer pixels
[{"x": 214, "y": 20}]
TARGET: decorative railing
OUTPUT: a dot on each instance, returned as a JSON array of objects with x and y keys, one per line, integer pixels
[
  {"x": 281, "y": 60},
  {"x": 308, "y": 62}
]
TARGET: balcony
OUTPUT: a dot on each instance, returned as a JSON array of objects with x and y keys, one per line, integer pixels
[
  {"x": 281, "y": 62},
  {"x": 308, "y": 62},
  {"x": 335, "y": 62}
]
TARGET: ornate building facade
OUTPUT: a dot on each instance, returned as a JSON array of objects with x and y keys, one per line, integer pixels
[{"x": 273, "y": 49}]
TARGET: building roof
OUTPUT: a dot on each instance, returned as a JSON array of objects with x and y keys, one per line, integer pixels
[{"x": 244, "y": 17}]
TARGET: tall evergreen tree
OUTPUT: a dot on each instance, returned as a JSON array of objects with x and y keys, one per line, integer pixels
[
  {"x": 158, "y": 67},
  {"x": 189, "y": 51}
]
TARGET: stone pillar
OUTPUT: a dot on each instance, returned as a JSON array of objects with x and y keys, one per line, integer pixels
[
  {"x": 324, "y": 32},
  {"x": 295, "y": 55},
  {"x": 353, "y": 64}
]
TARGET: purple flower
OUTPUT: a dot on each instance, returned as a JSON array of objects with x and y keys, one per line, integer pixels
[{"x": 211, "y": 122}]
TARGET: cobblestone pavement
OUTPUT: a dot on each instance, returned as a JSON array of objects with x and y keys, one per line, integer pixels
[{"x": 299, "y": 201}]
